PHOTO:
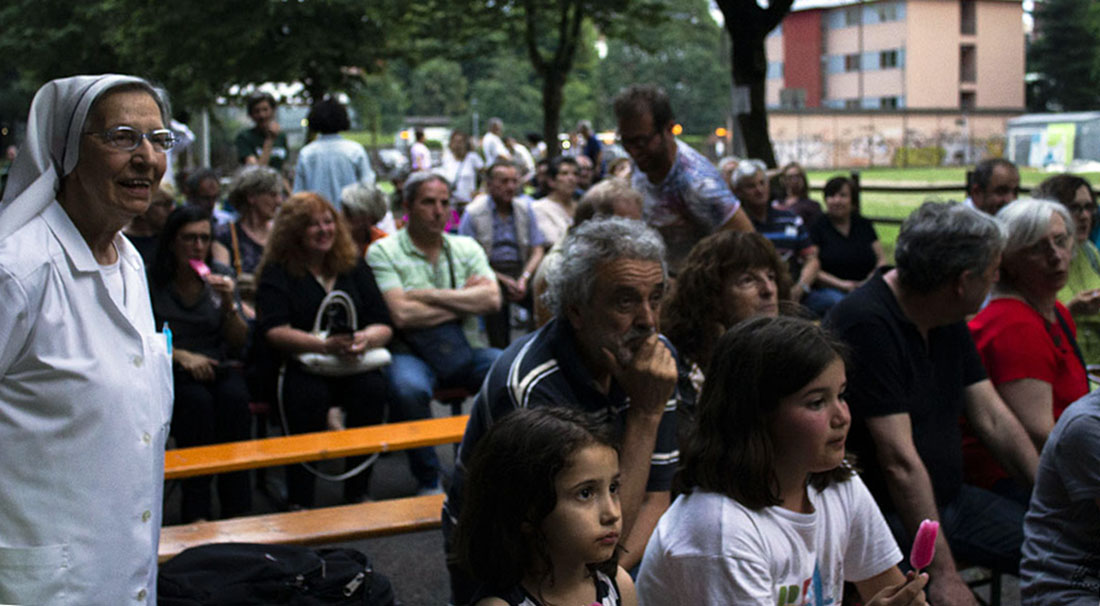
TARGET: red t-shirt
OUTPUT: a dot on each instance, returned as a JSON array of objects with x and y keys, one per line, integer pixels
[{"x": 1015, "y": 342}]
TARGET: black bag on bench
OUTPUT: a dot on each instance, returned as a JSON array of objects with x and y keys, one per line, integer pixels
[{"x": 225, "y": 574}]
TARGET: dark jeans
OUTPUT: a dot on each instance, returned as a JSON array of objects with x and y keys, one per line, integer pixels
[
  {"x": 982, "y": 528},
  {"x": 307, "y": 398},
  {"x": 498, "y": 325},
  {"x": 413, "y": 383},
  {"x": 212, "y": 412},
  {"x": 821, "y": 300}
]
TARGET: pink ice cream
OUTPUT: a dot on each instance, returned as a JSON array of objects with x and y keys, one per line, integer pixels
[
  {"x": 924, "y": 545},
  {"x": 199, "y": 267}
]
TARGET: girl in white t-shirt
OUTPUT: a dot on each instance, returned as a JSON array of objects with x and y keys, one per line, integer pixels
[
  {"x": 773, "y": 513},
  {"x": 541, "y": 519}
]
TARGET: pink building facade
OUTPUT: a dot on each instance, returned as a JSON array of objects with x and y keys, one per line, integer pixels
[{"x": 946, "y": 73}]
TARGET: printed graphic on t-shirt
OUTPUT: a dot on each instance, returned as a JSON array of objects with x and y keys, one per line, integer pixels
[{"x": 810, "y": 593}]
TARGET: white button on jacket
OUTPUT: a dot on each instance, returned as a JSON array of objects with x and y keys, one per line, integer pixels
[{"x": 80, "y": 490}]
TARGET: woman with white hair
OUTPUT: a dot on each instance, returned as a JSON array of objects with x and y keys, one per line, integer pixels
[
  {"x": 85, "y": 379},
  {"x": 364, "y": 206},
  {"x": 1026, "y": 338}
]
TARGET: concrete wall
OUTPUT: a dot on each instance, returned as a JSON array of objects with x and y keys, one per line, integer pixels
[{"x": 859, "y": 139}]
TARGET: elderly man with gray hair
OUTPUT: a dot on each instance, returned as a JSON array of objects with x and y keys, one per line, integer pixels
[
  {"x": 914, "y": 370},
  {"x": 601, "y": 353}
]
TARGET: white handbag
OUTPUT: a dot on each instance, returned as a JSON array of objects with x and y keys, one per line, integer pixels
[{"x": 332, "y": 365}]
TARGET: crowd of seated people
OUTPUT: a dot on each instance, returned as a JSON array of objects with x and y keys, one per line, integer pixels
[{"x": 954, "y": 433}]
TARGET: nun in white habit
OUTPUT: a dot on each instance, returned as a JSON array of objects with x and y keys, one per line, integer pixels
[{"x": 85, "y": 378}]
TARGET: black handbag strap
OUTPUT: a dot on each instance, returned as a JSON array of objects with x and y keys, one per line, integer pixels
[
  {"x": 450, "y": 261},
  {"x": 1072, "y": 341}
]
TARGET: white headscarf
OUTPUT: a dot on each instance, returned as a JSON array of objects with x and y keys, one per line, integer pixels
[{"x": 52, "y": 147}]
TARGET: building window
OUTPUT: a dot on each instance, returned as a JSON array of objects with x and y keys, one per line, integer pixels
[
  {"x": 968, "y": 17},
  {"x": 792, "y": 98},
  {"x": 851, "y": 63},
  {"x": 888, "y": 103},
  {"x": 775, "y": 70},
  {"x": 888, "y": 59},
  {"x": 968, "y": 63},
  {"x": 966, "y": 100},
  {"x": 851, "y": 15},
  {"x": 886, "y": 11},
  {"x": 852, "y": 104}
]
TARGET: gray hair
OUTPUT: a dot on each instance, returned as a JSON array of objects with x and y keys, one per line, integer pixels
[
  {"x": 939, "y": 241},
  {"x": 584, "y": 126},
  {"x": 495, "y": 122},
  {"x": 1027, "y": 220},
  {"x": 600, "y": 200},
  {"x": 252, "y": 180},
  {"x": 592, "y": 244},
  {"x": 728, "y": 160},
  {"x": 360, "y": 199},
  {"x": 417, "y": 180},
  {"x": 746, "y": 169}
]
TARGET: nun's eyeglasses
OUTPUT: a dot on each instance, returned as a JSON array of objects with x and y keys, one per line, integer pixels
[{"x": 128, "y": 139}]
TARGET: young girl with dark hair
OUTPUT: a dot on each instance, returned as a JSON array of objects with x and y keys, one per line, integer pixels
[
  {"x": 541, "y": 521},
  {"x": 773, "y": 512}
]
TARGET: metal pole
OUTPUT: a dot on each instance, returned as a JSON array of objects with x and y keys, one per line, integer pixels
[{"x": 205, "y": 129}]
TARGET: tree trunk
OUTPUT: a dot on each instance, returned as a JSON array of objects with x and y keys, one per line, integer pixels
[
  {"x": 750, "y": 69},
  {"x": 553, "y": 83}
]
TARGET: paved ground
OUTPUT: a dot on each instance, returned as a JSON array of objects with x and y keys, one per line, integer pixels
[{"x": 414, "y": 562}]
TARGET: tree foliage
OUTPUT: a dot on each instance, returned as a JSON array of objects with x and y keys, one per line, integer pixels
[
  {"x": 438, "y": 87},
  {"x": 198, "y": 50},
  {"x": 551, "y": 32},
  {"x": 1065, "y": 56},
  {"x": 683, "y": 55}
]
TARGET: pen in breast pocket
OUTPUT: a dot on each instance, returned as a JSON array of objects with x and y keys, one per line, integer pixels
[{"x": 167, "y": 337}]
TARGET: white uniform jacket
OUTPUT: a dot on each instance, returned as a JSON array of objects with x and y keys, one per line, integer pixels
[{"x": 85, "y": 402}]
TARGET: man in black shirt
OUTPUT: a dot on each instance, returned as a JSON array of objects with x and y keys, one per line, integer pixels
[{"x": 914, "y": 370}]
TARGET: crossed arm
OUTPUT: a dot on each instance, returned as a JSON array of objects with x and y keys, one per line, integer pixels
[{"x": 425, "y": 307}]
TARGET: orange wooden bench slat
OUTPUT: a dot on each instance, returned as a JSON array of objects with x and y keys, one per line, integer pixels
[
  {"x": 300, "y": 448},
  {"x": 309, "y": 527}
]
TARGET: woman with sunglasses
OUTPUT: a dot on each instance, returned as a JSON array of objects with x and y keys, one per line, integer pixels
[
  {"x": 211, "y": 397},
  {"x": 85, "y": 379}
]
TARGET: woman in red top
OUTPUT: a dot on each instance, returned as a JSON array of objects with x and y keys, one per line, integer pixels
[{"x": 1026, "y": 338}]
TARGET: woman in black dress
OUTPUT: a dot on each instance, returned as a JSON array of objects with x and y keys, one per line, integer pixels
[
  {"x": 309, "y": 254},
  {"x": 848, "y": 247}
]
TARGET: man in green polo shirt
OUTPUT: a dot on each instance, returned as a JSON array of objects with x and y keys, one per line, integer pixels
[{"x": 428, "y": 278}]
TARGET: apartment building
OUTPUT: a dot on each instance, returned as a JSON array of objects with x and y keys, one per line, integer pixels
[
  {"x": 894, "y": 73},
  {"x": 892, "y": 54}
]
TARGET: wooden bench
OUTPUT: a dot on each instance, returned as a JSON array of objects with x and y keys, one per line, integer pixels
[
  {"x": 309, "y": 527},
  {"x": 302, "y": 448}
]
